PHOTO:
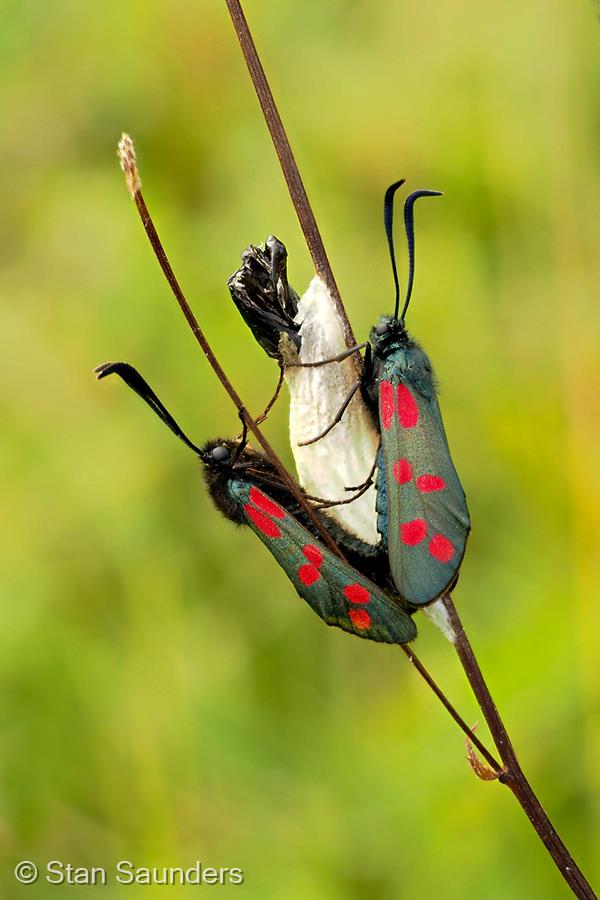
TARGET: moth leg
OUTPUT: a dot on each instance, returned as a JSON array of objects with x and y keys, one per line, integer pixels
[
  {"x": 331, "y": 359},
  {"x": 321, "y": 502},
  {"x": 369, "y": 479},
  {"x": 271, "y": 402},
  {"x": 326, "y": 504},
  {"x": 242, "y": 438},
  {"x": 359, "y": 488},
  {"x": 337, "y": 418}
]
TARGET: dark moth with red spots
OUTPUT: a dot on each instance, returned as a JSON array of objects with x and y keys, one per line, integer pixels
[
  {"x": 422, "y": 511},
  {"x": 244, "y": 486},
  {"x": 421, "y": 506}
]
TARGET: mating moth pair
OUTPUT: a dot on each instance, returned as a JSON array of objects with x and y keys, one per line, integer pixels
[{"x": 400, "y": 549}]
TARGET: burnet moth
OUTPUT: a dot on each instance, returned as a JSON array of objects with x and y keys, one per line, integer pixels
[
  {"x": 421, "y": 505},
  {"x": 422, "y": 514},
  {"x": 244, "y": 486}
]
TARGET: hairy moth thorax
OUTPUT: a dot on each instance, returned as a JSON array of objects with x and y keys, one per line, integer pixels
[
  {"x": 225, "y": 460},
  {"x": 395, "y": 350},
  {"x": 216, "y": 457}
]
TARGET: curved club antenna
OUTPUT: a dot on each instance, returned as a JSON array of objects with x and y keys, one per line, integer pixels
[
  {"x": 409, "y": 226},
  {"x": 134, "y": 380},
  {"x": 388, "y": 221}
]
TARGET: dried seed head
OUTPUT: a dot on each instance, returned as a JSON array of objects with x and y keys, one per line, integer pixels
[{"x": 126, "y": 154}]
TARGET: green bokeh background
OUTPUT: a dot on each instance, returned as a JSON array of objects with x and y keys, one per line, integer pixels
[{"x": 165, "y": 695}]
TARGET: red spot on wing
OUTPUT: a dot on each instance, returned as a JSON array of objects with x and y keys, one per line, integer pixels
[
  {"x": 360, "y": 618},
  {"x": 408, "y": 411},
  {"x": 413, "y": 532},
  {"x": 308, "y": 574},
  {"x": 313, "y": 554},
  {"x": 262, "y": 522},
  {"x": 441, "y": 548},
  {"x": 386, "y": 403},
  {"x": 266, "y": 504},
  {"x": 356, "y": 593},
  {"x": 428, "y": 483},
  {"x": 402, "y": 471}
]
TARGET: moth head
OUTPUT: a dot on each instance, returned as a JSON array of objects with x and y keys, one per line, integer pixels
[
  {"x": 233, "y": 455},
  {"x": 217, "y": 454},
  {"x": 387, "y": 328},
  {"x": 223, "y": 455}
]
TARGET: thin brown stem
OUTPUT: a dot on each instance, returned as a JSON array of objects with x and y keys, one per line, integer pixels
[
  {"x": 513, "y": 775},
  {"x": 288, "y": 163}
]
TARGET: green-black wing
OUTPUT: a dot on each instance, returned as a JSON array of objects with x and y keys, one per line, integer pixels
[
  {"x": 425, "y": 519},
  {"x": 335, "y": 591}
]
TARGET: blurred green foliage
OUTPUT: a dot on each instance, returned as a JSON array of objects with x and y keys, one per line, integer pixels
[{"x": 165, "y": 695}]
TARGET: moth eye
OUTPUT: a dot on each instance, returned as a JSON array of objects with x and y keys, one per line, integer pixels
[
  {"x": 381, "y": 329},
  {"x": 220, "y": 454}
]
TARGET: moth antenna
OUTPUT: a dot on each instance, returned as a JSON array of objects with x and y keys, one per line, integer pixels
[
  {"x": 134, "y": 380},
  {"x": 409, "y": 227},
  {"x": 388, "y": 221}
]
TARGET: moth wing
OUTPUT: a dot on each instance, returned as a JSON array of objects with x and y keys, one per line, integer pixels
[
  {"x": 339, "y": 595},
  {"x": 426, "y": 516}
]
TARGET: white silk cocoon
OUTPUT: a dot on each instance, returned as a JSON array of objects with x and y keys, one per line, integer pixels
[{"x": 344, "y": 457}]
